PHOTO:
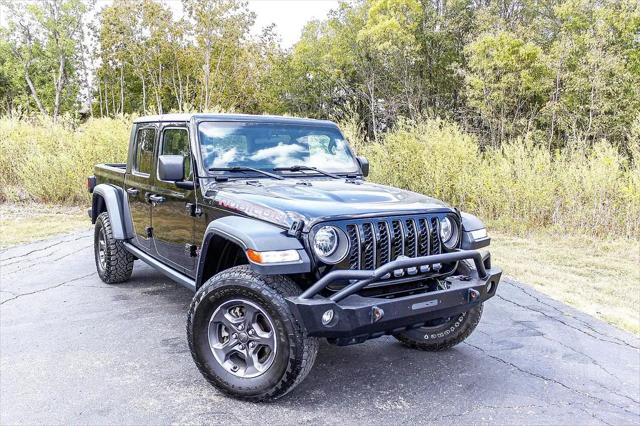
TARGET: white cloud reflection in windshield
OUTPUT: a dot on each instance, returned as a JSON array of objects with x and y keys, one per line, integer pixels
[{"x": 266, "y": 146}]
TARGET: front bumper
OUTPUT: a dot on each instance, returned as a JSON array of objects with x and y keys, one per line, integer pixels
[{"x": 357, "y": 318}]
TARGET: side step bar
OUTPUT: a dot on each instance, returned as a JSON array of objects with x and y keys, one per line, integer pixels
[{"x": 178, "y": 277}]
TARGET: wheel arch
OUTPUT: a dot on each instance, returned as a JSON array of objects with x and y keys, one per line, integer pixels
[
  {"x": 227, "y": 239},
  {"x": 111, "y": 199},
  {"x": 471, "y": 223}
]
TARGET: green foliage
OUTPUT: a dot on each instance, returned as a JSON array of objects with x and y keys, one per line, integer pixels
[
  {"x": 507, "y": 83},
  {"x": 40, "y": 55}
]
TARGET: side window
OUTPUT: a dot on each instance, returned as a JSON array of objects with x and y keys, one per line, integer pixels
[
  {"x": 176, "y": 142},
  {"x": 144, "y": 150}
]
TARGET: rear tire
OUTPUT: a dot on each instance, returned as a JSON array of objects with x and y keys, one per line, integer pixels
[
  {"x": 221, "y": 331},
  {"x": 113, "y": 262}
]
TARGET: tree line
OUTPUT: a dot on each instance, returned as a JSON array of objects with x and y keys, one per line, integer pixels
[{"x": 550, "y": 70}]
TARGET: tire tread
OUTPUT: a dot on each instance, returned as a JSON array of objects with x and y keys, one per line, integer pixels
[{"x": 275, "y": 288}]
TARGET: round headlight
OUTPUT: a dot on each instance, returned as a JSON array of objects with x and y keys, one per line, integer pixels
[
  {"x": 330, "y": 244},
  {"x": 448, "y": 232},
  {"x": 325, "y": 241}
]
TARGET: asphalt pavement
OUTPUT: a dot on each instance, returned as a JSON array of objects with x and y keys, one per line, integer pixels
[{"x": 76, "y": 350}]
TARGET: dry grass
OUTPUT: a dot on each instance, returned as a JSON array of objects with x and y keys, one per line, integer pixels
[
  {"x": 31, "y": 222},
  {"x": 601, "y": 278}
]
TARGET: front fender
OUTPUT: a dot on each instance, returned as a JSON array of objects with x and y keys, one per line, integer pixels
[
  {"x": 470, "y": 227},
  {"x": 256, "y": 235},
  {"x": 113, "y": 200}
]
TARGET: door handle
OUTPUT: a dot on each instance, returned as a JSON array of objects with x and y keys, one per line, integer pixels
[
  {"x": 132, "y": 191},
  {"x": 156, "y": 199}
]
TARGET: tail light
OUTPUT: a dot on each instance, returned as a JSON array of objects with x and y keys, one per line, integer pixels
[{"x": 91, "y": 183}]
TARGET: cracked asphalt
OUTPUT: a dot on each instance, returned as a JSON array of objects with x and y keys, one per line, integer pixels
[{"x": 75, "y": 350}]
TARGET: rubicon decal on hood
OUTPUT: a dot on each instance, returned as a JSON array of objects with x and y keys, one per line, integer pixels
[{"x": 254, "y": 210}]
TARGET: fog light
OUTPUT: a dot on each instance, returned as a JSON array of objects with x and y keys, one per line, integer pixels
[
  {"x": 398, "y": 273},
  {"x": 412, "y": 271},
  {"x": 327, "y": 317},
  {"x": 424, "y": 268}
]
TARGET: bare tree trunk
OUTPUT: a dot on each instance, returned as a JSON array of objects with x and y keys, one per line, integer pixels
[
  {"x": 100, "y": 96},
  {"x": 372, "y": 108},
  {"x": 144, "y": 95},
  {"x": 113, "y": 101},
  {"x": 85, "y": 74},
  {"x": 32, "y": 88},
  {"x": 207, "y": 72},
  {"x": 106, "y": 99},
  {"x": 59, "y": 85},
  {"x": 122, "y": 89}
]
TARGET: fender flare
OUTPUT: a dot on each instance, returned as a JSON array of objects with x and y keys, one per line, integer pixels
[
  {"x": 118, "y": 208},
  {"x": 471, "y": 223},
  {"x": 256, "y": 235}
]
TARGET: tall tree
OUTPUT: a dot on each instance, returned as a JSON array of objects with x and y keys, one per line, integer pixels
[{"x": 46, "y": 33}]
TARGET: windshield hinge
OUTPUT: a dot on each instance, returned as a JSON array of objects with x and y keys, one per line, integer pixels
[{"x": 296, "y": 228}]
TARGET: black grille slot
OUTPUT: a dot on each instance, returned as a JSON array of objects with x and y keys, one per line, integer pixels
[
  {"x": 376, "y": 242},
  {"x": 435, "y": 236},
  {"x": 398, "y": 238},
  {"x": 423, "y": 237},
  {"x": 354, "y": 254},
  {"x": 369, "y": 246},
  {"x": 410, "y": 247},
  {"x": 383, "y": 243}
]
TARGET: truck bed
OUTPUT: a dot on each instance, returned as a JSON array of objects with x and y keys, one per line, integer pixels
[{"x": 112, "y": 173}]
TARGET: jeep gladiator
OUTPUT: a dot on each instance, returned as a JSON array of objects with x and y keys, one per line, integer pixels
[{"x": 270, "y": 221}]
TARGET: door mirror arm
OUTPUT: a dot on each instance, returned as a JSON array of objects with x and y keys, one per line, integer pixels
[{"x": 186, "y": 184}]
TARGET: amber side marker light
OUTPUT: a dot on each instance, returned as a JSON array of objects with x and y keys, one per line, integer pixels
[{"x": 267, "y": 257}]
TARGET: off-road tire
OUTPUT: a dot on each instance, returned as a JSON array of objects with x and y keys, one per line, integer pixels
[
  {"x": 447, "y": 333},
  {"x": 118, "y": 264},
  {"x": 297, "y": 351}
]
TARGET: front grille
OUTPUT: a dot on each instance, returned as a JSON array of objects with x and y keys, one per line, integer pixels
[{"x": 376, "y": 242}]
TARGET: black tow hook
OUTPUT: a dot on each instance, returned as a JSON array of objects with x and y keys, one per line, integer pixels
[{"x": 473, "y": 295}]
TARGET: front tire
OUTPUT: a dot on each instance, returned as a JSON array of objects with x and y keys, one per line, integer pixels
[
  {"x": 243, "y": 337},
  {"x": 113, "y": 262}
]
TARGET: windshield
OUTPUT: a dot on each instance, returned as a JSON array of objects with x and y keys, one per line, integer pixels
[{"x": 267, "y": 146}]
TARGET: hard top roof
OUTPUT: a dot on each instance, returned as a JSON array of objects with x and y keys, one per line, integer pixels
[{"x": 231, "y": 117}]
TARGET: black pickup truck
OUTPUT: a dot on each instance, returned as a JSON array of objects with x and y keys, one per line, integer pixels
[{"x": 270, "y": 221}]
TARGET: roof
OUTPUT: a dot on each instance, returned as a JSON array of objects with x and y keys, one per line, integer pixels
[{"x": 232, "y": 117}]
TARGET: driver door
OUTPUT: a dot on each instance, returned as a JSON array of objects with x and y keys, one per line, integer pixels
[{"x": 173, "y": 223}]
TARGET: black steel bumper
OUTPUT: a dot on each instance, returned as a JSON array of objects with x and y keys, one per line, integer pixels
[{"x": 357, "y": 318}]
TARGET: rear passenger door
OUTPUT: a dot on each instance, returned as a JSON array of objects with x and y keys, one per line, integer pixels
[
  {"x": 173, "y": 223},
  {"x": 139, "y": 184}
]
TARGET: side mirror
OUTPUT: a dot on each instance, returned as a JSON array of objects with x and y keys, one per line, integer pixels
[
  {"x": 364, "y": 165},
  {"x": 171, "y": 168}
]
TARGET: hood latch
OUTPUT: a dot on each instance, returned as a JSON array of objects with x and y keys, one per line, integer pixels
[{"x": 296, "y": 228}]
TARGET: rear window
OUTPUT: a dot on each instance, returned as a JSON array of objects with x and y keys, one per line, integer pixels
[{"x": 144, "y": 150}]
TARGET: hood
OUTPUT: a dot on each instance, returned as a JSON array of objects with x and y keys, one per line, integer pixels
[{"x": 316, "y": 199}]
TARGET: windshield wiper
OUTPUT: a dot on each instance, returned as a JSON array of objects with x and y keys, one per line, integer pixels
[
  {"x": 245, "y": 169},
  {"x": 300, "y": 167}
]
